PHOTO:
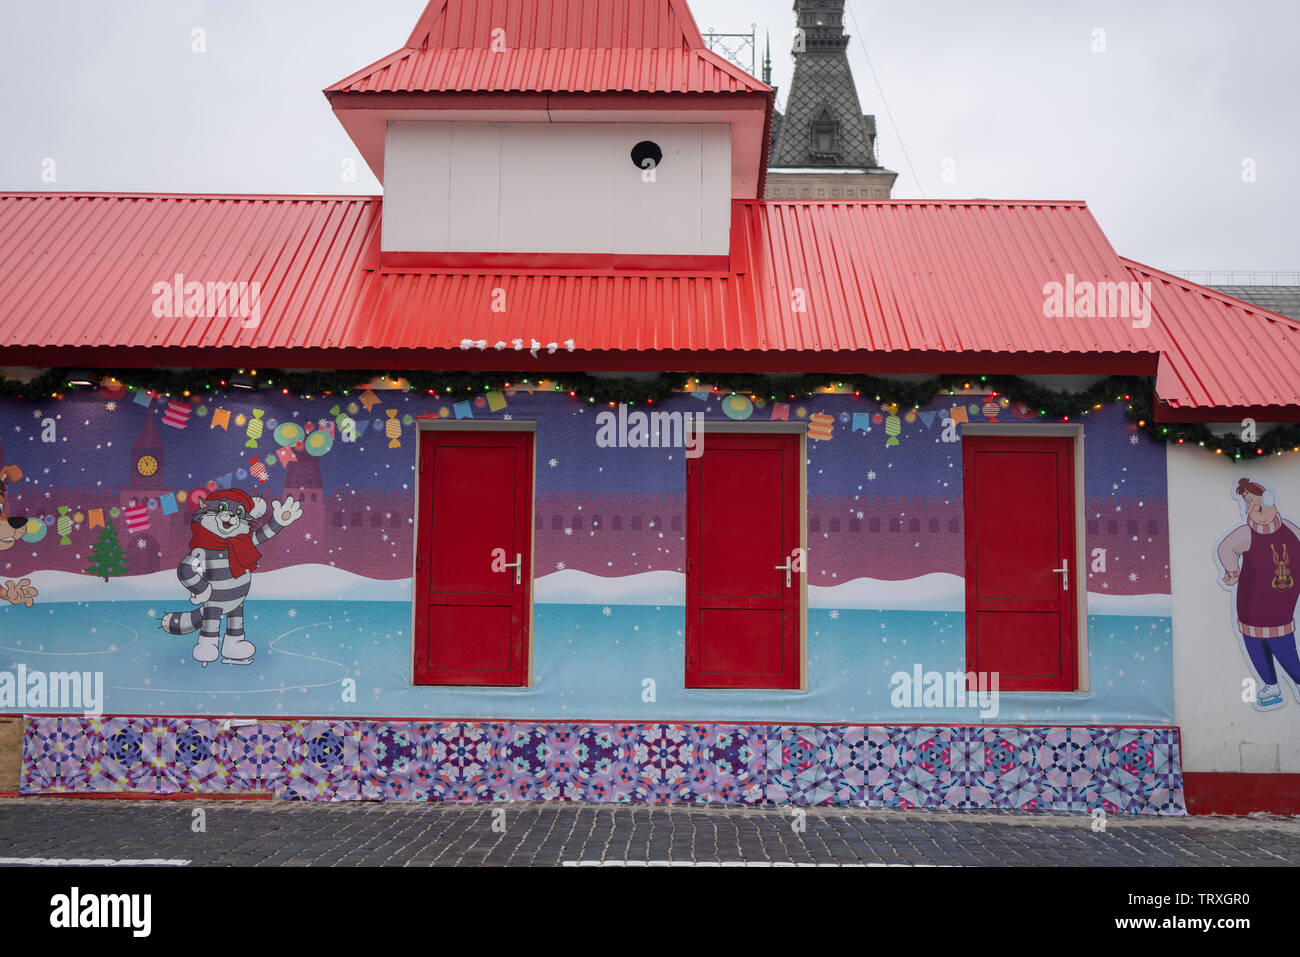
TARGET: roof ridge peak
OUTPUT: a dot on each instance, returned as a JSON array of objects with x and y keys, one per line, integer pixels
[{"x": 479, "y": 21}]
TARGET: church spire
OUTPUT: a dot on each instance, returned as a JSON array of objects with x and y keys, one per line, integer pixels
[
  {"x": 823, "y": 146},
  {"x": 823, "y": 125}
]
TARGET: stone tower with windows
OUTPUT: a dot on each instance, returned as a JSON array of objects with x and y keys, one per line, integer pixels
[{"x": 823, "y": 145}]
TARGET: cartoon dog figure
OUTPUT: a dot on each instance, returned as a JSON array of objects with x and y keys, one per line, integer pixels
[
  {"x": 13, "y": 528},
  {"x": 219, "y": 570}
]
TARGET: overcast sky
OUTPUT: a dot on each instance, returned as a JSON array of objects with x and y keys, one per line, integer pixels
[{"x": 1159, "y": 131}]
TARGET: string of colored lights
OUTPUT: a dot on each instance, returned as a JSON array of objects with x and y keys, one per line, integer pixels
[{"x": 1136, "y": 393}]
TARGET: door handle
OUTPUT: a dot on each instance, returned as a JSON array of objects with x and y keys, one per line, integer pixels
[
  {"x": 1064, "y": 571},
  {"x": 785, "y": 568},
  {"x": 516, "y": 565}
]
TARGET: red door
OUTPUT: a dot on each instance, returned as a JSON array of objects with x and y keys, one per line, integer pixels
[
  {"x": 742, "y": 522},
  {"x": 473, "y": 557},
  {"x": 1021, "y": 583}
]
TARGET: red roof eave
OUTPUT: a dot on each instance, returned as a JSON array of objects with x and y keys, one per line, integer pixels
[
  {"x": 1223, "y": 359},
  {"x": 886, "y": 286}
]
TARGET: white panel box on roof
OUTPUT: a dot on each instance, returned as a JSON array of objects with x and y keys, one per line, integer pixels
[{"x": 557, "y": 188}]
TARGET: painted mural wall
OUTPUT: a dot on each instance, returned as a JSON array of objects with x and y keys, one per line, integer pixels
[
  {"x": 1237, "y": 689},
  {"x": 103, "y": 487}
]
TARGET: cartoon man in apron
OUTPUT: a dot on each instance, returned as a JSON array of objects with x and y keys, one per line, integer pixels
[{"x": 1256, "y": 559}]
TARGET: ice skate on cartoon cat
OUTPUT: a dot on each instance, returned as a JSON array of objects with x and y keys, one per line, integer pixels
[{"x": 218, "y": 571}]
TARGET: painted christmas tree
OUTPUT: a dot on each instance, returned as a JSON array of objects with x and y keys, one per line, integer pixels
[{"x": 109, "y": 559}]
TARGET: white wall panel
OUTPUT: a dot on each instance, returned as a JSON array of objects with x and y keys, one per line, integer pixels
[
  {"x": 556, "y": 188},
  {"x": 1220, "y": 731}
]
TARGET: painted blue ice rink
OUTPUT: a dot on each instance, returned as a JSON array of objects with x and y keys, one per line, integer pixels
[{"x": 590, "y": 662}]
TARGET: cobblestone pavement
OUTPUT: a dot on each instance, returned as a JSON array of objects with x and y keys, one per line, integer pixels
[{"x": 53, "y": 830}]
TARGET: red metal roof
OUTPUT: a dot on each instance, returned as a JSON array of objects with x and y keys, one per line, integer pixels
[
  {"x": 884, "y": 286},
  {"x": 563, "y": 46},
  {"x": 1221, "y": 351}
]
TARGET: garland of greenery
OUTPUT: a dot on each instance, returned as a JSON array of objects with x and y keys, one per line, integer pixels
[{"x": 1136, "y": 392}]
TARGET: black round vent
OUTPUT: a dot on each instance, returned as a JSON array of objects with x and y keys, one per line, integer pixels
[{"x": 647, "y": 155}]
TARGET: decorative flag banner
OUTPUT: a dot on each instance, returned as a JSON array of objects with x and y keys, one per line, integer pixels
[
  {"x": 370, "y": 400},
  {"x": 821, "y": 426},
  {"x": 958, "y": 414},
  {"x": 463, "y": 411},
  {"x": 781, "y": 410},
  {"x": 220, "y": 418},
  {"x": 347, "y": 425},
  {"x": 496, "y": 401},
  {"x": 1021, "y": 410},
  {"x": 177, "y": 415},
  {"x": 142, "y": 397},
  {"x": 991, "y": 409},
  {"x": 325, "y": 425},
  {"x": 362, "y": 425},
  {"x": 168, "y": 503},
  {"x": 318, "y": 443},
  {"x": 393, "y": 429},
  {"x": 285, "y": 455},
  {"x": 257, "y": 468},
  {"x": 254, "y": 431},
  {"x": 64, "y": 526},
  {"x": 96, "y": 516},
  {"x": 927, "y": 418},
  {"x": 702, "y": 392},
  {"x": 137, "y": 518},
  {"x": 893, "y": 428},
  {"x": 861, "y": 422},
  {"x": 224, "y": 481}
]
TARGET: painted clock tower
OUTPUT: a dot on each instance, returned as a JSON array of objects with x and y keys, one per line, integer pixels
[
  {"x": 150, "y": 549},
  {"x": 146, "y": 461}
]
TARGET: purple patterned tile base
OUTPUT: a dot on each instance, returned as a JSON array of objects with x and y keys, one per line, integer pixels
[{"x": 1124, "y": 770}]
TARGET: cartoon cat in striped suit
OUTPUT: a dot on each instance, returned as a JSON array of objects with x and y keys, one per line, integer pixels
[{"x": 218, "y": 571}]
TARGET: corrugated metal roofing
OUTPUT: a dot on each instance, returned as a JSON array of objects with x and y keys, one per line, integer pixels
[
  {"x": 888, "y": 285},
  {"x": 557, "y": 23},
  {"x": 551, "y": 71},
  {"x": 1221, "y": 351},
  {"x": 563, "y": 46}
]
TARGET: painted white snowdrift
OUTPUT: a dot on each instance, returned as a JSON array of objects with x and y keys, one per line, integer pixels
[
  {"x": 938, "y": 591},
  {"x": 299, "y": 583}
]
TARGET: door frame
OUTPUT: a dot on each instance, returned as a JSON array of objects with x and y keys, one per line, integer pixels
[
  {"x": 768, "y": 428},
  {"x": 1035, "y": 430},
  {"x": 487, "y": 425}
]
